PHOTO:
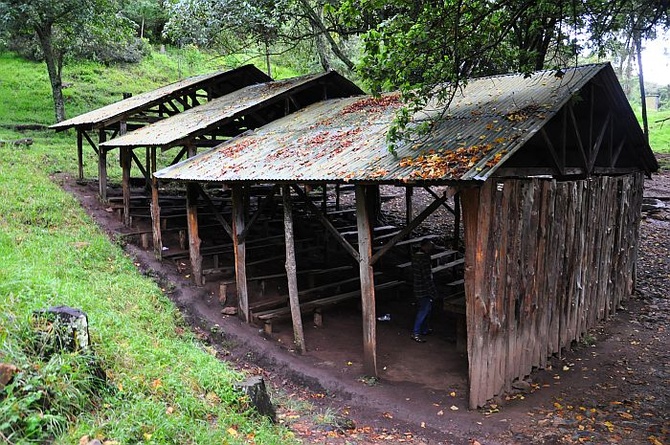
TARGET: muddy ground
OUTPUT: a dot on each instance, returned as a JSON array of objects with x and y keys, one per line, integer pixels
[{"x": 613, "y": 387}]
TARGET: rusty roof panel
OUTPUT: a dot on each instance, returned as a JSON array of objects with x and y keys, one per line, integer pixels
[
  {"x": 219, "y": 111},
  {"x": 244, "y": 75},
  {"x": 345, "y": 139}
]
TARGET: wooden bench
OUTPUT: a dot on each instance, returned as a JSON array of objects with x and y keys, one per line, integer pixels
[
  {"x": 315, "y": 306},
  {"x": 263, "y": 278},
  {"x": 411, "y": 241},
  {"x": 307, "y": 292},
  {"x": 353, "y": 232},
  {"x": 217, "y": 268},
  {"x": 449, "y": 265},
  {"x": 436, "y": 256}
]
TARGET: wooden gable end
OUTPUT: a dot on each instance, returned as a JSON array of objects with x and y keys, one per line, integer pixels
[{"x": 594, "y": 133}]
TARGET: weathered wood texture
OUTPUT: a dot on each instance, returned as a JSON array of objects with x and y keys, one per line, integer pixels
[
  {"x": 294, "y": 299},
  {"x": 363, "y": 195},
  {"x": 545, "y": 261}
]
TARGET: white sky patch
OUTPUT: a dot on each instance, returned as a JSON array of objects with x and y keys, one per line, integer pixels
[{"x": 656, "y": 60}]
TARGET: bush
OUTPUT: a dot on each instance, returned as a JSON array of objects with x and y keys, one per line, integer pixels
[{"x": 46, "y": 394}]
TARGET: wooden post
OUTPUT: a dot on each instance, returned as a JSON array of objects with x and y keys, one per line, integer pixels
[
  {"x": 102, "y": 166},
  {"x": 324, "y": 196},
  {"x": 337, "y": 196},
  {"x": 155, "y": 209},
  {"x": 125, "y": 183},
  {"x": 147, "y": 166},
  {"x": 409, "y": 211},
  {"x": 367, "y": 283},
  {"x": 240, "y": 252},
  {"x": 472, "y": 307},
  {"x": 457, "y": 220},
  {"x": 193, "y": 237},
  {"x": 298, "y": 333},
  {"x": 80, "y": 153}
]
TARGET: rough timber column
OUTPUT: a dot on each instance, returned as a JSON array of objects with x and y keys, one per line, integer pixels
[
  {"x": 102, "y": 166},
  {"x": 298, "y": 333},
  {"x": 239, "y": 249},
  {"x": 193, "y": 236},
  {"x": 80, "y": 153},
  {"x": 155, "y": 208},
  {"x": 367, "y": 283}
]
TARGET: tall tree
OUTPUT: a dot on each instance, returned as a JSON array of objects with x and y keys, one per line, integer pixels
[
  {"x": 277, "y": 26},
  {"x": 427, "y": 49},
  {"x": 62, "y": 27}
]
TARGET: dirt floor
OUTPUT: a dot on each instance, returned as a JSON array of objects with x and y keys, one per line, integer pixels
[{"x": 613, "y": 387}]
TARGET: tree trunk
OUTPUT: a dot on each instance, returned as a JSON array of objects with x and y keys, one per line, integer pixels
[
  {"x": 54, "y": 61},
  {"x": 645, "y": 120},
  {"x": 318, "y": 24}
]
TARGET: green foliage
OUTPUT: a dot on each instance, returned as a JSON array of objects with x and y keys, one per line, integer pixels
[
  {"x": 427, "y": 50},
  {"x": 149, "y": 17},
  {"x": 47, "y": 393}
]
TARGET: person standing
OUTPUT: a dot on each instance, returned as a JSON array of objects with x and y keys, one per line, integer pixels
[{"x": 424, "y": 290}]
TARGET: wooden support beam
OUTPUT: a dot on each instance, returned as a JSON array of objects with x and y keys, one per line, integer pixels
[
  {"x": 174, "y": 107},
  {"x": 474, "y": 307},
  {"x": 193, "y": 235},
  {"x": 294, "y": 299},
  {"x": 400, "y": 235},
  {"x": 125, "y": 183},
  {"x": 179, "y": 156},
  {"x": 599, "y": 141},
  {"x": 557, "y": 161},
  {"x": 80, "y": 153},
  {"x": 102, "y": 167},
  {"x": 139, "y": 164},
  {"x": 239, "y": 250},
  {"x": 147, "y": 167},
  {"x": 367, "y": 283},
  {"x": 521, "y": 172},
  {"x": 337, "y": 196},
  {"x": 90, "y": 141},
  {"x": 259, "y": 211},
  {"x": 215, "y": 211},
  {"x": 324, "y": 198},
  {"x": 327, "y": 224},
  {"x": 409, "y": 211},
  {"x": 617, "y": 152},
  {"x": 155, "y": 208},
  {"x": 457, "y": 220},
  {"x": 578, "y": 136},
  {"x": 436, "y": 196}
]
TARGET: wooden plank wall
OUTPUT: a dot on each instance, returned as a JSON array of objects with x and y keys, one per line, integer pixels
[{"x": 545, "y": 261}]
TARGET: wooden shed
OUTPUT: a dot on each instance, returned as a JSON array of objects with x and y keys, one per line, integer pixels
[
  {"x": 137, "y": 111},
  {"x": 549, "y": 169}
]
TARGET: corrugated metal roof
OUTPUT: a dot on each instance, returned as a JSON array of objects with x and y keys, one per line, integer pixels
[
  {"x": 246, "y": 75},
  {"x": 221, "y": 110},
  {"x": 345, "y": 139}
]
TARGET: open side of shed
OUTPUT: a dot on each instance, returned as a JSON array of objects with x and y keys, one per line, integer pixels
[
  {"x": 220, "y": 119},
  {"x": 137, "y": 111},
  {"x": 549, "y": 170}
]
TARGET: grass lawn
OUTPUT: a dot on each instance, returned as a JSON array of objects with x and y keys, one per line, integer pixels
[{"x": 164, "y": 386}]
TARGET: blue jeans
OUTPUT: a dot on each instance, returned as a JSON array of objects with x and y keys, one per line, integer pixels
[{"x": 424, "y": 305}]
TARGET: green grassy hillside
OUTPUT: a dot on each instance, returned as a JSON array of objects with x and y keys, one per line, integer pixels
[{"x": 164, "y": 386}]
